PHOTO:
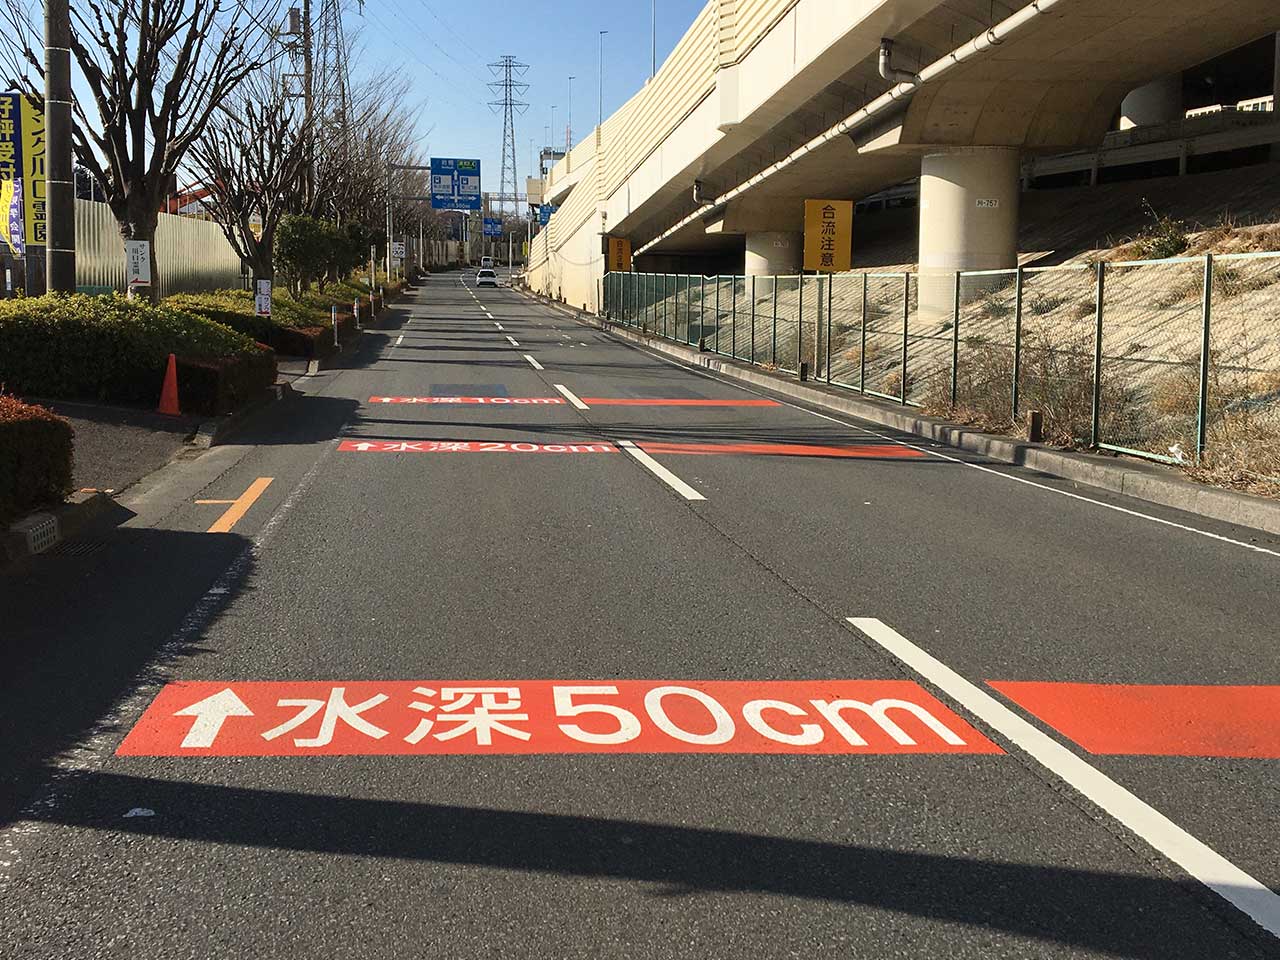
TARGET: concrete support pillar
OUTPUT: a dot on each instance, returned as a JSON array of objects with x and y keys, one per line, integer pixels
[
  {"x": 968, "y": 219},
  {"x": 773, "y": 252},
  {"x": 1275, "y": 91},
  {"x": 1158, "y": 102}
]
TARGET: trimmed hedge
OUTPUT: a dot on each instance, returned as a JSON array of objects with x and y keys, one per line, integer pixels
[
  {"x": 110, "y": 349},
  {"x": 35, "y": 458},
  {"x": 293, "y": 329}
]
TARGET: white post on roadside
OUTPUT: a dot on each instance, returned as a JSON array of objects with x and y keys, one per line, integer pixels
[
  {"x": 355, "y": 309},
  {"x": 333, "y": 315}
]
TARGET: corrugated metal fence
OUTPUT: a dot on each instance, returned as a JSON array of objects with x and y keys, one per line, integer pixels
[{"x": 190, "y": 254}]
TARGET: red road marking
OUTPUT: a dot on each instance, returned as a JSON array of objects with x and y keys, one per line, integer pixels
[
  {"x": 469, "y": 446},
  {"x": 891, "y": 451},
  {"x": 495, "y": 401},
  {"x": 1158, "y": 720},
  {"x": 432, "y": 717},
  {"x": 630, "y": 402}
]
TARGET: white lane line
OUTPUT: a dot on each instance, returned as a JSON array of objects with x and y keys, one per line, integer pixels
[
  {"x": 977, "y": 466},
  {"x": 565, "y": 336},
  {"x": 498, "y": 325},
  {"x": 661, "y": 472},
  {"x": 399, "y": 339},
  {"x": 1202, "y": 862},
  {"x": 512, "y": 340},
  {"x": 533, "y": 363},
  {"x": 570, "y": 396}
]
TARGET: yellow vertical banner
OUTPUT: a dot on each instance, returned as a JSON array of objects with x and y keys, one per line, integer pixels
[
  {"x": 828, "y": 235},
  {"x": 619, "y": 255},
  {"x": 11, "y": 230},
  {"x": 34, "y": 155}
]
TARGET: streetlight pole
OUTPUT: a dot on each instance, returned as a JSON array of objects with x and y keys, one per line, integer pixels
[
  {"x": 60, "y": 244},
  {"x": 600, "y": 108},
  {"x": 568, "y": 124},
  {"x": 653, "y": 42}
]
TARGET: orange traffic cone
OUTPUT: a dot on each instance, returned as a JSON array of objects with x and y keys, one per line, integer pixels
[{"x": 169, "y": 392}]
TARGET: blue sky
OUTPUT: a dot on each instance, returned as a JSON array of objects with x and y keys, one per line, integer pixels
[{"x": 444, "y": 46}]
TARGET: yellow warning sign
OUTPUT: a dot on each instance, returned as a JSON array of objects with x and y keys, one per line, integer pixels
[
  {"x": 828, "y": 235},
  {"x": 619, "y": 254}
]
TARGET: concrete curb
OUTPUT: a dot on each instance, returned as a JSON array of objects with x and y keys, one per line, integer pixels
[
  {"x": 214, "y": 431},
  {"x": 41, "y": 531},
  {"x": 1142, "y": 481}
]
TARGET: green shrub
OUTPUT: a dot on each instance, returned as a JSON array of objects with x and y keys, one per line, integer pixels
[
  {"x": 35, "y": 458},
  {"x": 294, "y": 329},
  {"x": 109, "y": 349},
  {"x": 217, "y": 385}
]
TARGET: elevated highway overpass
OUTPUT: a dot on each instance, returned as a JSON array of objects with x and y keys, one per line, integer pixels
[{"x": 763, "y": 103}]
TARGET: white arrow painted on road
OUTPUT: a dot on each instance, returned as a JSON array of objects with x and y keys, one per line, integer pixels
[
  {"x": 210, "y": 714},
  {"x": 364, "y": 445}
]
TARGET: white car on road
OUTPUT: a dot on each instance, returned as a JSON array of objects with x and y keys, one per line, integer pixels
[{"x": 486, "y": 278}]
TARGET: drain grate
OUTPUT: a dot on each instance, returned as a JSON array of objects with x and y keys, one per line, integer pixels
[
  {"x": 41, "y": 531},
  {"x": 77, "y": 548}
]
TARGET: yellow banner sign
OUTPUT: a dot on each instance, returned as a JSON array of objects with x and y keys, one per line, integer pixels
[
  {"x": 828, "y": 235},
  {"x": 34, "y": 154},
  {"x": 619, "y": 255}
]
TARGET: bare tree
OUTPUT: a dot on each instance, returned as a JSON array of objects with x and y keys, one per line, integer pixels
[
  {"x": 155, "y": 72},
  {"x": 251, "y": 160}
]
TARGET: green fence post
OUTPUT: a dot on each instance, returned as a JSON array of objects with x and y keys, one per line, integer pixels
[
  {"x": 955, "y": 345},
  {"x": 702, "y": 307},
  {"x": 1097, "y": 356},
  {"x": 773, "y": 330},
  {"x": 862, "y": 358},
  {"x": 1017, "y": 338},
  {"x": 831, "y": 284},
  {"x": 733, "y": 313},
  {"x": 906, "y": 312},
  {"x": 1202, "y": 404},
  {"x": 800, "y": 323},
  {"x": 717, "y": 313}
]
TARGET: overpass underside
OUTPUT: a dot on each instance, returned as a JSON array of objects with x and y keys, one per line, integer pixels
[{"x": 815, "y": 106}]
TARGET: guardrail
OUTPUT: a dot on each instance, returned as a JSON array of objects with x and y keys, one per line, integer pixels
[{"x": 1174, "y": 360}]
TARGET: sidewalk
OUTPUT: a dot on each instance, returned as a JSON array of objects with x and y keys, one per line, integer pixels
[{"x": 117, "y": 446}]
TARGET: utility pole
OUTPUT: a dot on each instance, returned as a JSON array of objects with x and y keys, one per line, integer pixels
[
  {"x": 308, "y": 108},
  {"x": 568, "y": 123},
  {"x": 653, "y": 42},
  {"x": 60, "y": 243},
  {"x": 600, "y": 107},
  {"x": 510, "y": 88}
]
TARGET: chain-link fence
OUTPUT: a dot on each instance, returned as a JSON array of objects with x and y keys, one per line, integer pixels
[{"x": 1176, "y": 360}]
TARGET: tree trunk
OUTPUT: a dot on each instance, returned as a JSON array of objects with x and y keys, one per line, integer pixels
[{"x": 139, "y": 223}]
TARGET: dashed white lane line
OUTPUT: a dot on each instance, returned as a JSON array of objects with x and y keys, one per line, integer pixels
[
  {"x": 399, "y": 339},
  {"x": 512, "y": 340},
  {"x": 661, "y": 472},
  {"x": 1216, "y": 872},
  {"x": 498, "y": 325},
  {"x": 988, "y": 470},
  {"x": 570, "y": 396},
  {"x": 533, "y": 363}
]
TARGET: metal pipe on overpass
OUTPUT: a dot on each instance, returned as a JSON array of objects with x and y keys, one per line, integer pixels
[{"x": 939, "y": 68}]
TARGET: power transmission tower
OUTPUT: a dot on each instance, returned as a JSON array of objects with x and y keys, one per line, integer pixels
[
  {"x": 509, "y": 87},
  {"x": 320, "y": 48}
]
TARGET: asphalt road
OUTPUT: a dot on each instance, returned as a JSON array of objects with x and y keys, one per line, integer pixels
[{"x": 505, "y": 545}]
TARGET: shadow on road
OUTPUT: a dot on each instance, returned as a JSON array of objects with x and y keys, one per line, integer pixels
[
  {"x": 1115, "y": 914},
  {"x": 85, "y": 625}
]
